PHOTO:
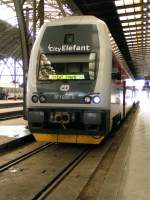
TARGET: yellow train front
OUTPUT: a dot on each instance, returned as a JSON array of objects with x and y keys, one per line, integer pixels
[{"x": 69, "y": 82}]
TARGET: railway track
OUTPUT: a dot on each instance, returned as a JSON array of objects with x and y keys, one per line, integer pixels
[
  {"x": 71, "y": 171},
  {"x": 11, "y": 105},
  {"x": 11, "y": 115},
  {"x": 55, "y": 188},
  {"x": 21, "y": 158},
  {"x": 59, "y": 167},
  {"x": 61, "y": 175}
]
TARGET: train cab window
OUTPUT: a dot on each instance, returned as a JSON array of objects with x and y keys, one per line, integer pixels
[{"x": 56, "y": 69}]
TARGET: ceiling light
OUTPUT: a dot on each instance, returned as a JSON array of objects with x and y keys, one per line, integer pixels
[
  {"x": 121, "y": 11},
  {"x": 123, "y": 18},
  {"x": 119, "y": 3},
  {"x": 131, "y": 17},
  {"x": 128, "y": 10}
]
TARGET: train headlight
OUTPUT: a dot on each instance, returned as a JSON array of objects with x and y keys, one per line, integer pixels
[
  {"x": 87, "y": 99},
  {"x": 34, "y": 98},
  {"x": 42, "y": 99},
  {"x": 96, "y": 99}
]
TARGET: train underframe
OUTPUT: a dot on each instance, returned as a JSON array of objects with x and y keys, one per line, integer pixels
[{"x": 69, "y": 125}]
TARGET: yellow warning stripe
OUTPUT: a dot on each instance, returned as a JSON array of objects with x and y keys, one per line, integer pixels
[{"x": 83, "y": 139}]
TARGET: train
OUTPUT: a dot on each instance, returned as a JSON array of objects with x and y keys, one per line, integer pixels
[
  {"x": 10, "y": 91},
  {"x": 76, "y": 88}
]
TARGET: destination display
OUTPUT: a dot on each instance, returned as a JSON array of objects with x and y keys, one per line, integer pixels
[{"x": 66, "y": 77}]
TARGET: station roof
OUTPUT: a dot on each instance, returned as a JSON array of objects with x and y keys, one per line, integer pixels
[
  {"x": 128, "y": 22},
  {"x": 9, "y": 41}
]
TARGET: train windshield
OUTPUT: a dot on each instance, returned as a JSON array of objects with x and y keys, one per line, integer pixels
[{"x": 56, "y": 68}]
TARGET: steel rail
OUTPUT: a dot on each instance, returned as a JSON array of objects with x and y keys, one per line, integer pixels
[
  {"x": 24, "y": 156},
  {"x": 11, "y": 115},
  {"x": 11, "y": 105},
  {"x": 61, "y": 175}
]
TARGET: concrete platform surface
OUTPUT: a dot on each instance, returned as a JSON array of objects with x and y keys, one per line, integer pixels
[
  {"x": 10, "y": 101},
  {"x": 10, "y": 133},
  {"x": 12, "y": 129},
  {"x": 129, "y": 175},
  {"x": 5, "y": 110}
]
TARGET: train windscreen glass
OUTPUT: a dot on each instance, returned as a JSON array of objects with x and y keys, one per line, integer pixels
[{"x": 65, "y": 71}]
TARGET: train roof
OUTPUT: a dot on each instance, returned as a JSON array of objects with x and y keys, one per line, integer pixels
[{"x": 83, "y": 19}]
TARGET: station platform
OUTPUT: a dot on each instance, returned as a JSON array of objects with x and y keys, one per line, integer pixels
[
  {"x": 11, "y": 101},
  {"x": 13, "y": 132},
  {"x": 129, "y": 175},
  {"x": 4, "y": 110}
]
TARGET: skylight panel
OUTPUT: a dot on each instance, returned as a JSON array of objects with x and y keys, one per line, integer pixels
[
  {"x": 127, "y": 33},
  {"x": 123, "y": 18},
  {"x": 121, "y": 11},
  {"x": 137, "y": 9},
  {"x": 131, "y": 23},
  {"x": 119, "y": 2},
  {"x": 125, "y": 24},
  {"x": 138, "y": 23},
  {"x": 139, "y": 32},
  {"x": 134, "y": 32},
  {"x": 137, "y": 1},
  {"x": 138, "y": 16},
  {"x": 133, "y": 36},
  {"x": 128, "y": 37},
  {"x": 126, "y": 29},
  {"x": 132, "y": 28},
  {"x": 129, "y": 40},
  {"x": 130, "y": 17},
  {"x": 128, "y": 2},
  {"x": 129, "y": 10},
  {"x": 9, "y": 18}
]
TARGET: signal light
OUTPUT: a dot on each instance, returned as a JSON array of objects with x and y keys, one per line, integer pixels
[
  {"x": 42, "y": 99},
  {"x": 35, "y": 98},
  {"x": 87, "y": 99},
  {"x": 96, "y": 99}
]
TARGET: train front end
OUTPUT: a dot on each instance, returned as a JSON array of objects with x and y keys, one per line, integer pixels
[{"x": 69, "y": 83}]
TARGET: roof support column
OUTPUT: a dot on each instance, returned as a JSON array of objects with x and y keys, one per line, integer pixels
[
  {"x": 34, "y": 20},
  {"x": 24, "y": 44},
  {"x": 41, "y": 12},
  {"x": 61, "y": 8}
]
